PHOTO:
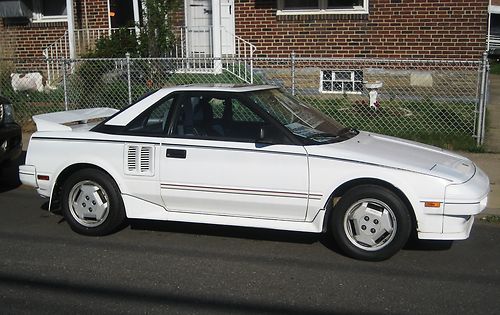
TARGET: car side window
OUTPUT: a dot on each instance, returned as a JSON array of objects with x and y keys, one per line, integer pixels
[
  {"x": 217, "y": 116},
  {"x": 243, "y": 113},
  {"x": 155, "y": 120}
]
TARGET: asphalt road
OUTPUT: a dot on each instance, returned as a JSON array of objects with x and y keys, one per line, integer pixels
[{"x": 168, "y": 268}]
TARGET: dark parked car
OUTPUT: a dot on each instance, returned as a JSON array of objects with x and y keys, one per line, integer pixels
[{"x": 10, "y": 133}]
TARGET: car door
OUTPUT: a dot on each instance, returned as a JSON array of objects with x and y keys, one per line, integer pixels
[{"x": 211, "y": 163}]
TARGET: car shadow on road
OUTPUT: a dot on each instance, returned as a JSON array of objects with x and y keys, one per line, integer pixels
[
  {"x": 428, "y": 245},
  {"x": 9, "y": 174},
  {"x": 237, "y": 232},
  {"x": 225, "y": 231},
  {"x": 268, "y": 235}
]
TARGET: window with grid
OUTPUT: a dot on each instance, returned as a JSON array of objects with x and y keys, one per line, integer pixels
[{"x": 341, "y": 81}]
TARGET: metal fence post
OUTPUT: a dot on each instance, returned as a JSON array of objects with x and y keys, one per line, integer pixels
[
  {"x": 486, "y": 94},
  {"x": 482, "y": 99},
  {"x": 292, "y": 60},
  {"x": 251, "y": 65},
  {"x": 127, "y": 56},
  {"x": 65, "y": 82}
]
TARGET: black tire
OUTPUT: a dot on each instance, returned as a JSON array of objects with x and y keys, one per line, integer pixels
[
  {"x": 92, "y": 188},
  {"x": 370, "y": 222}
]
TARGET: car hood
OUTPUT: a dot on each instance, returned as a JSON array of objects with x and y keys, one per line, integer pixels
[{"x": 397, "y": 153}]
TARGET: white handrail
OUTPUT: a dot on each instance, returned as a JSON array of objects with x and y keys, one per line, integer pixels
[
  {"x": 53, "y": 52},
  {"x": 85, "y": 39},
  {"x": 239, "y": 63}
]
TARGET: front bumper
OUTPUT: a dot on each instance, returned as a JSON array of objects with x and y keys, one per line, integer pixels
[
  {"x": 457, "y": 228},
  {"x": 10, "y": 142},
  {"x": 462, "y": 202}
]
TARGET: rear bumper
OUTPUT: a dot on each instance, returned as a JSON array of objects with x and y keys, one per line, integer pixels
[
  {"x": 27, "y": 175},
  {"x": 30, "y": 176}
]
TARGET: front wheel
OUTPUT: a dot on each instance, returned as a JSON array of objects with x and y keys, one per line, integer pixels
[
  {"x": 91, "y": 203},
  {"x": 370, "y": 222}
]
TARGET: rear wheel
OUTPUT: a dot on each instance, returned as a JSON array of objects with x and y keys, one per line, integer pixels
[
  {"x": 370, "y": 222},
  {"x": 91, "y": 203}
]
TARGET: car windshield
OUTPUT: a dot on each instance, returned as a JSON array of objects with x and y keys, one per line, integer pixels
[{"x": 301, "y": 119}]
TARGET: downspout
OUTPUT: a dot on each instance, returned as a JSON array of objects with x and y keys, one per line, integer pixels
[
  {"x": 489, "y": 29},
  {"x": 109, "y": 17},
  {"x": 87, "y": 31},
  {"x": 137, "y": 19},
  {"x": 71, "y": 29},
  {"x": 86, "y": 15},
  {"x": 216, "y": 37}
]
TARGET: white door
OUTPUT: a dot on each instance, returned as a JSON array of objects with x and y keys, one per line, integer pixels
[
  {"x": 199, "y": 27},
  {"x": 212, "y": 164},
  {"x": 227, "y": 26},
  {"x": 234, "y": 179}
]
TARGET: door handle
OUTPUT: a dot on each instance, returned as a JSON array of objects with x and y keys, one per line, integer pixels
[{"x": 176, "y": 154}]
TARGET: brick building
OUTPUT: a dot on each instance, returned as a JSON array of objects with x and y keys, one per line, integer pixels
[
  {"x": 39, "y": 24},
  {"x": 346, "y": 28},
  {"x": 38, "y": 28},
  {"x": 322, "y": 28}
]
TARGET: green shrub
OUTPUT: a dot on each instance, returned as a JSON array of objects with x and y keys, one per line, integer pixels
[{"x": 120, "y": 42}]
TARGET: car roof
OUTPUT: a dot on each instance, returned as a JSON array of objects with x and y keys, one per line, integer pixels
[
  {"x": 220, "y": 87},
  {"x": 128, "y": 114}
]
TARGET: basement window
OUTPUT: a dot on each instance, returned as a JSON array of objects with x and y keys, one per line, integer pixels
[
  {"x": 341, "y": 81},
  {"x": 305, "y": 7},
  {"x": 49, "y": 10}
]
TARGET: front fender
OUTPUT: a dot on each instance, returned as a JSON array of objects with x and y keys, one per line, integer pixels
[{"x": 329, "y": 176}]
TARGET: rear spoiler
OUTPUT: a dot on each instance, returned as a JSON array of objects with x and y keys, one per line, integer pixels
[{"x": 55, "y": 121}]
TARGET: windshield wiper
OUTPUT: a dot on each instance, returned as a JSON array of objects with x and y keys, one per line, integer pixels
[
  {"x": 347, "y": 130},
  {"x": 322, "y": 134}
]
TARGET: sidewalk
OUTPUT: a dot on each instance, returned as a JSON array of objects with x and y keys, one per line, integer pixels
[
  {"x": 489, "y": 163},
  {"x": 492, "y": 139}
]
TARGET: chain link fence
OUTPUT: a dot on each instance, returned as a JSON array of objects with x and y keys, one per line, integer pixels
[{"x": 407, "y": 98}]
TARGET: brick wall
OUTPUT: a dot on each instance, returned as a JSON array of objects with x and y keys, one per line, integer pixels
[
  {"x": 495, "y": 2},
  {"x": 393, "y": 29},
  {"x": 178, "y": 19},
  {"x": 97, "y": 14},
  {"x": 29, "y": 40}
]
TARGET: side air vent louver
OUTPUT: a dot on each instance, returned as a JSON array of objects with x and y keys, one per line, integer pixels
[
  {"x": 139, "y": 160},
  {"x": 132, "y": 158},
  {"x": 146, "y": 159}
]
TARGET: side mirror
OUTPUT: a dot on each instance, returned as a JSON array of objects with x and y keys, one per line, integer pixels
[{"x": 265, "y": 135}]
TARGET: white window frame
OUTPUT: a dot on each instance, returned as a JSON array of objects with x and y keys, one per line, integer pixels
[
  {"x": 334, "y": 80},
  {"x": 322, "y": 9},
  {"x": 38, "y": 16}
]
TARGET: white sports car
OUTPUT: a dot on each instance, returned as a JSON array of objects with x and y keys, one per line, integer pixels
[{"x": 249, "y": 156}]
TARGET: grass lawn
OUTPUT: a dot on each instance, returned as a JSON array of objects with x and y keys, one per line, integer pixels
[
  {"x": 494, "y": 66},
  {"x": 445, "y": 124}
]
